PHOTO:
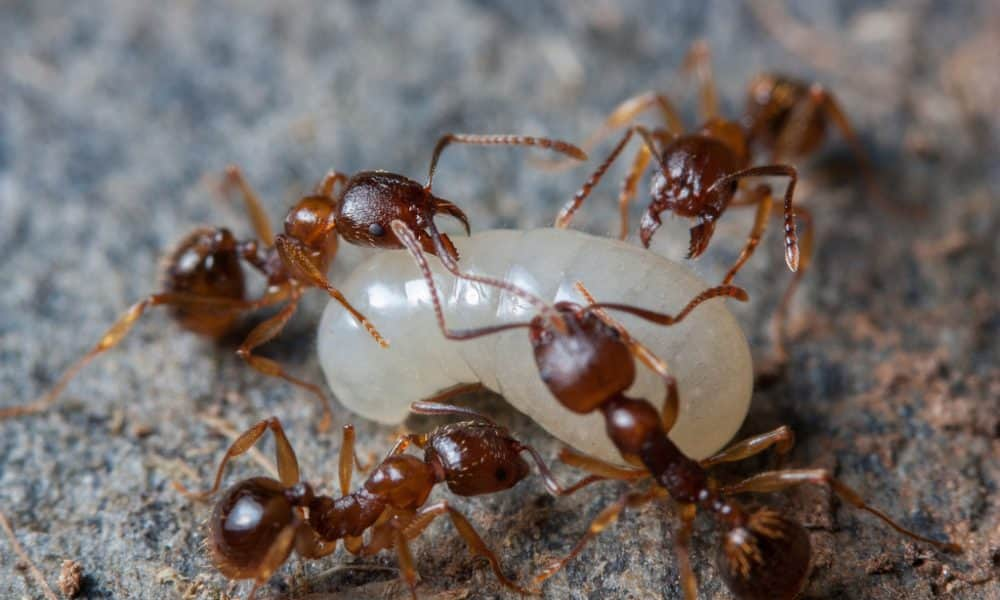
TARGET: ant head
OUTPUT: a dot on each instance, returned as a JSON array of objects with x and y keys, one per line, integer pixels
[
  {"x": 312, "y": 221},
  {"x": 477, "y": 457},
  {"x": 249, "y": 520},
  {"x": 206, "y": 263},
  {"x": 768, "y": 556},
  {"x": 582, "y": 363},
  {"x": 372, "y": 200}
]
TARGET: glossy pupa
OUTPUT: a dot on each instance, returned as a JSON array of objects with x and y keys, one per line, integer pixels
[{"x": 707, "y": 351}]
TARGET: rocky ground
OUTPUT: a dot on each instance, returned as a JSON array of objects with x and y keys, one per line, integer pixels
[{"x": 117, "y": 120}]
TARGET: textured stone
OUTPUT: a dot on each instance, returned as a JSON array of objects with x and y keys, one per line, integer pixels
[{"x": 118, "y": 118}]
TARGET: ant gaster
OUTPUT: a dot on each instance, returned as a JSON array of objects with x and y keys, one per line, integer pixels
[
  {"x": 587, "y": 361},
  {"x": 259, "y": 522},
  {"x": 203, "y": 281}
]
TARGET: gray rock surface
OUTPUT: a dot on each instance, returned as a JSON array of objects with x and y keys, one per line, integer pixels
[{"x": 117, "y": 119}]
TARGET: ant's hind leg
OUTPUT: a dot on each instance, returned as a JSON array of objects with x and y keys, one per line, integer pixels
[
  {"x": 261, "y": 224},
  {"x": 773, "y": 481},
  {"x": 477, "y": 546},
  {"x": 607, "y": 516},
  {"x": 288, "y": 464},
  {"x": 781, "y": 439},
  {"x": 117, "y": 332},
  {"x": 264, "y": 333}
]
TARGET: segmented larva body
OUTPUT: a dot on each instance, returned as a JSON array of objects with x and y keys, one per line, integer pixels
[{"x": 707, "y": 351}]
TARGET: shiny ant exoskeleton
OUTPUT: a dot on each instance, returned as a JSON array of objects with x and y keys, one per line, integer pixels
[
  {"x": 203, "y": 280},
  {"x": 587, "y": 361},
  {"x": 699, "y": 176},
  {"x": 259, "y": 522}
]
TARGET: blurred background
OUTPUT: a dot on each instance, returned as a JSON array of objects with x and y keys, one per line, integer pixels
[{"x": 117, "y": 119}]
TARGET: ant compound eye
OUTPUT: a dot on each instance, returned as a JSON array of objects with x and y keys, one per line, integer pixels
[
  {"x": 769, "y": 557},
  {"x": 376, "y": 230}
]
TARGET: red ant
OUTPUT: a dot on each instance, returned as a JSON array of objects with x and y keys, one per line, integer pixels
[
  {"x": 258, "y": 522},
  {"x": 203, "y": 279},
  {"x": 587, "y": 361},
  {"x": 699, "y": 176}
]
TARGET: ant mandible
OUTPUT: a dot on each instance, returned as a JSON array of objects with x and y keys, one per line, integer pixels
[
  {"x": 587, "y": 361},
  {"x": 204, "y": 282},
  {"x": 258, "y": 522}
]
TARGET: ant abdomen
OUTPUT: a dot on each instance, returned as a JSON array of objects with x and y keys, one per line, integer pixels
[
  {"x": 497, "y": 466},
  {"x": 767, "y": 558},
  {"x": 245, "y": 525},
  {"x": 206, "y": 264}
]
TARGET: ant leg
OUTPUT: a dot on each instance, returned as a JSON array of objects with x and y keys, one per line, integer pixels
[
  {"x": 332, "y": 178},
  {"x": 622, "y": 115},
  {"x": 831, "y": 107},
  {"x": 699, "y": 60},
  {"x": 348, "y": 458},
  {"x": 490, "y": 140},
  {"x": 781, "y": 439},
  {"x": 773, "y": 481},
  {"x": 265, "y": 332},
  {"x": 569, "y": 209},
  {"x": 671, "y": 403},
  {"x": 600, "y": 468},
  {"x": 606, "y": 517},
  {"x": 477, "y": 546},
  {"x": 261, "y": 224},
  {"x": 406, "y": 566},
  {"x": 409, "y": 241},
  {"x": 288, "y": 464},
  {"x": 791, "y": 240},
  {"x": 780, "y": 319},
  {"x": 627, "y": 193},
  {"x": 761, "y": 196},
  {"x": 117, "y": 332},
  {"x": 297, "y": 259},
  {"x": 682, "y": 547}
]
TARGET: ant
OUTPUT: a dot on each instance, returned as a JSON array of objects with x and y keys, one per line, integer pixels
[
  {"x": 258, "y": 522},
  {"x": 587, "y": 361},
  {"x": 203, "y": 280},
  {"x": 700, "y": 175}
]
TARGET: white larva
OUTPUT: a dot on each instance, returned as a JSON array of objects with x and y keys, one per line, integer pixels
[{"x": 707, "y": 352}]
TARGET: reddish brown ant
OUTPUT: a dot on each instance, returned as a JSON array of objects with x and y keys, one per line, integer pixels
[
  {"x": 700, "y": 176},
  {"x": 587, "y": 361},
  {"x": 203, "y": 281},
  {"x": 258, "y": 522}
]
